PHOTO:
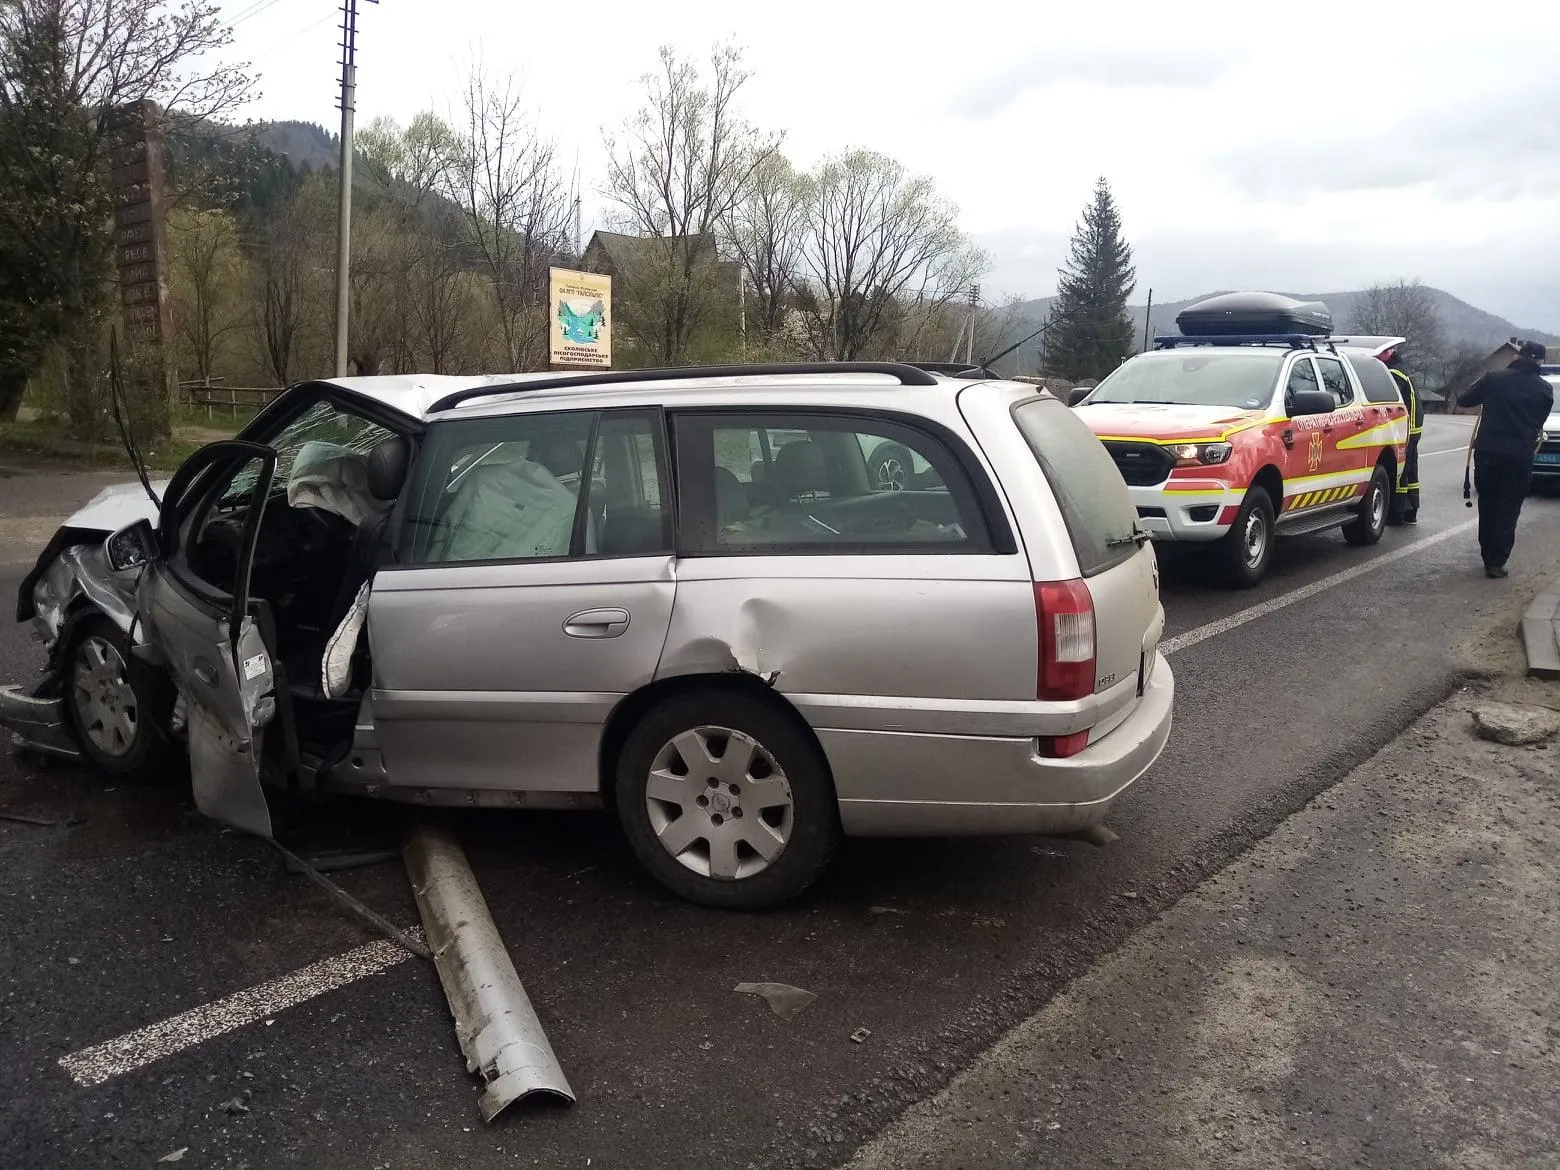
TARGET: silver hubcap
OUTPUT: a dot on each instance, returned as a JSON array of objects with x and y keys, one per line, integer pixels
[
  {"x": 891, "y": 475},
  {"x": 105, "y": 700},
  {"x": 1378, "y": 505},
  {"x": 1256, "y": 538},
  {"x": 719, "y": 803}
]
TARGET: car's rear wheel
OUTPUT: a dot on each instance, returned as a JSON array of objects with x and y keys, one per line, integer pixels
[
  {"x": 117, "y": 705},
  {"x": 1247, "y": 549},
  {"x": 1372, "y": 521},
  {"x": 726, "y": 800}
]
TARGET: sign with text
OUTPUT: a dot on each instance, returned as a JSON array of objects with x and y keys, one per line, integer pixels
[
  {"x": 136, "y": 157},
  {"x": 580, "y": 329}
]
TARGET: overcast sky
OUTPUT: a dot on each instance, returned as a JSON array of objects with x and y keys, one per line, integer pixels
[{"x": 1248, "y": 145}]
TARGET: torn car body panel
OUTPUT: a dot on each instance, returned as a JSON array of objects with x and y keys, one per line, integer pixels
[{"x": 497, "y": 1027}]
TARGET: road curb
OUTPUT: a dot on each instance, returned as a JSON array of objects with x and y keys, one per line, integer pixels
[{"x": 1541, "y": 633}]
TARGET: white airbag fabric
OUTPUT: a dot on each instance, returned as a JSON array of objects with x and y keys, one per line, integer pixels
[
  {"x": 332, "y": 478},
  {"x": 336, "y": 666}
]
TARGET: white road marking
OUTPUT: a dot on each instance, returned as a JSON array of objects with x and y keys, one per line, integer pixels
[
  {"x": 1463, "y": 450},
  {"x": 1234, "y": 620},
  {"x": 133, "y": 1050}
]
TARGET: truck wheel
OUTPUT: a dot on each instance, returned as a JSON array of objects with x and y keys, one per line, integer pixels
[
  {"x": 1246, "y": 550},
  {"x": 1372, "y": 520},
  {"x": 117, "y": 705},
  {"x": 726, "y": 801}
]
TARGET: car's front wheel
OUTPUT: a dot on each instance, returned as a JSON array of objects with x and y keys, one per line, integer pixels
[
  {"x": 1247, "y": 549},
  {"x": 726, "y": 800},
  {"x": 117, "y": 705}
]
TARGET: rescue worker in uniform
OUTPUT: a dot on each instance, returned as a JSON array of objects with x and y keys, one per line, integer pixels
[
  {"x": 1405, "y": 501},
  {"x": 1515, "y": 403}
]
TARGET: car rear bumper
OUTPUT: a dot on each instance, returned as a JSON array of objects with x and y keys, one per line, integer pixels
[
  {"x": 896, "y": 784},
  {"x": 1176, "y": 511}
]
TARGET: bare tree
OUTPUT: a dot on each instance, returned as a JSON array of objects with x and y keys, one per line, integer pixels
[
  {"x": 289, "y": 277},
  {"x": 1405, "y": 308},
  {"x": 765, "y": 231},
  {"x": 63, "y": 62},
  {"x": 677, "y": 171},
  {"x": 503, "y": 176},
  {"x": 884, "y": 249},
  {"x": 207, "y": 267}
]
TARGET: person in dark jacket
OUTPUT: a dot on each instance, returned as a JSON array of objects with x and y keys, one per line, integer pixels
[
  {"x": 1405, "y": 501},
  {"x": 1515, "y": 404}
]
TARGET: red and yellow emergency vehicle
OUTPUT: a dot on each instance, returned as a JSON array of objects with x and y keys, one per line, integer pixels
[{"x": 1237, "y": 432}]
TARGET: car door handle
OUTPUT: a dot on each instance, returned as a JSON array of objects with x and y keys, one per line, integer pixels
[
  {"x": 205, "y": 671},
  {"x": 597, "y": 623}
]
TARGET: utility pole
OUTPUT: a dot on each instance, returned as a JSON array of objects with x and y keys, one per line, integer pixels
[
  {"x": 969, "y": 334},
  {"x": 349, "y": 15},
  {"x": 1148, "y": 317}
]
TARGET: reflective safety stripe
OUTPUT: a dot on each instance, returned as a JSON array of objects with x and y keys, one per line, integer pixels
[
  {"x": 1328, "y": 496},
  {"x": 1404, "y": 488},
  {"x": 1412, "y": 431}
]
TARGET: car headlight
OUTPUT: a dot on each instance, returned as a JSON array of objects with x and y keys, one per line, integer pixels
[{"x": 1201, "y": 454}]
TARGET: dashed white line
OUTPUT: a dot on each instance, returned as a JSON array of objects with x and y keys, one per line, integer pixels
[
  {"x": 1225, "y": 624},
  {"x": 133, "y": 1050}
]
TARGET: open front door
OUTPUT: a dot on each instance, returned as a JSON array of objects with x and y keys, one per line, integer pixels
[{"x": 194, "y": 602}]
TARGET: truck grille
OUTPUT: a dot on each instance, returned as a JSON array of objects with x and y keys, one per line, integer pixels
[{"x": 1141, "y": 464}]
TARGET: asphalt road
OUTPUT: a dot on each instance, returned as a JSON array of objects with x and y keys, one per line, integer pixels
[{"x": 144, "y": 911}]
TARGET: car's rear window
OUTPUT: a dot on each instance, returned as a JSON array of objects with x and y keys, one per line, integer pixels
[
  {"x": 1375, "y": 379},
  {"x": 1095, "y": 505}
]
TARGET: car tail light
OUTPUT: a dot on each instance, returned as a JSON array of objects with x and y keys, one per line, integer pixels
[
  {"x": 1064, "y": 611},
  {"x": 1059, "y": 747}
]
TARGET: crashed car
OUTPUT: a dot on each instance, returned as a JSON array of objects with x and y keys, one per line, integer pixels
[{"x": 690, "y": 595}]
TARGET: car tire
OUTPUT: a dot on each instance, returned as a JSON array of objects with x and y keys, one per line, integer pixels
[
  {"x": 891, "y": 468},
  {"x": 1246, "y": 550},
  {"x": 118, "y": 707},
  {"x": 1372, "y": 521},
  {"x": 776, "y": 797}
]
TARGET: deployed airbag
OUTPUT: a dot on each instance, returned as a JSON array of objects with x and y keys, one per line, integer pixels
[{"x": 332, "y": 478}]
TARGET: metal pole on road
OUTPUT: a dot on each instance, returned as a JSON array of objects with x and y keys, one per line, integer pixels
[{"x": 349, "y": 14}]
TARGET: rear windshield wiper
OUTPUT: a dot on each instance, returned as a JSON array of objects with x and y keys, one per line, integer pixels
[{"x": 1138, "y": 537}]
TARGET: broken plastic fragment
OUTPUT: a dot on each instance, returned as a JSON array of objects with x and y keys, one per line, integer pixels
[
  {"x": 860, "y": 1035},
  {"x": 176, "y": 1156},
  {"x": 783, "y": 999}
]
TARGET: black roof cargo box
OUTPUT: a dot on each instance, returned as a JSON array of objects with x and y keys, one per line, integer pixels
[{"x": 1254, "y": 313}]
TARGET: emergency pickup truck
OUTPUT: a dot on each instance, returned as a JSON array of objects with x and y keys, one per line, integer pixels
[{"x": 1252, "y": 424}]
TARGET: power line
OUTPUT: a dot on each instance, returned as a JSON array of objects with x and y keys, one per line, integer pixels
[{"x": 253, "y": 10}]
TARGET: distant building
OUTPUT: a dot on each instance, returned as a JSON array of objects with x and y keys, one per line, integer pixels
[{"x": 1502, "y": 357}]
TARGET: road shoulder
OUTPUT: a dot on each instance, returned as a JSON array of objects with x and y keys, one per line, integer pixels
[{"x": 1372, "y": 984}]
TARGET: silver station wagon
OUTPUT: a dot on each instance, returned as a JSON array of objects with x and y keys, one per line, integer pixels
[{"x": 752, "y": 609}]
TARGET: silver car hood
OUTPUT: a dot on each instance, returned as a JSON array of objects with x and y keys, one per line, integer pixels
[{"x": 114, "y": 507}]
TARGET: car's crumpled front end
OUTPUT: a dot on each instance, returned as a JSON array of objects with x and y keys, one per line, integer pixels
[{"x": 71, "y": 578}]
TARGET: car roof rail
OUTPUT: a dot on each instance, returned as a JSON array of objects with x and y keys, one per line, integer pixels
[
  {"x": 1291, "y": 340},
  {"x": 955, "y": 369},
  {"x": 907, "y": 374}
]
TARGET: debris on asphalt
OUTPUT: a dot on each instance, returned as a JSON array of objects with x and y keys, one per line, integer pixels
[
  {"x": 42, "y": 822},
  {"x": 1515, "y": 724},
  {"x": 859, "y": 1035},
  {"x": 176, "y": 1156},
  {"x": 236, "y": 1105},
  {"x": 496, "y": 1025},
  {"x": 886, "y": 910},
  {"x": 298, "y": 865},
  {"x": 786, "y": 1001}
]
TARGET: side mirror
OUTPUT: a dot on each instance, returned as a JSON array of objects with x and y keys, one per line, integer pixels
[
  {"x": 1311, "y": 402},
  {"x": 1077, "y": 394},
  {"x": 132, "y": 546}
]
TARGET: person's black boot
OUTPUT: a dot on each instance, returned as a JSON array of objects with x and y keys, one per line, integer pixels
[{"x": 1496, "y": 571}]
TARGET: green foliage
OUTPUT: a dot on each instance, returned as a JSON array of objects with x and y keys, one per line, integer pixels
[{"x": 1093, "y": 334}]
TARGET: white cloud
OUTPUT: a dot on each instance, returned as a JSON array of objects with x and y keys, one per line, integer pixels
[{"x": 1246, "y": 144}]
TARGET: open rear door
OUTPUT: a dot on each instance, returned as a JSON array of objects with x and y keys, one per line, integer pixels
[{"x": 194, "y": 602}]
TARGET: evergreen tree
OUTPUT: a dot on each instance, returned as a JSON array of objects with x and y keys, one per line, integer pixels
[{"x": 1093, "y": 334}]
